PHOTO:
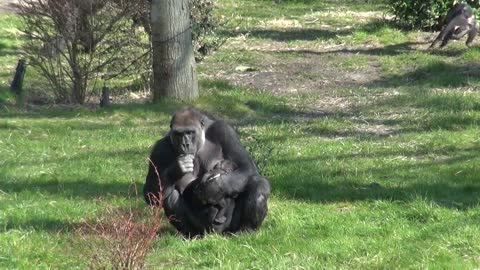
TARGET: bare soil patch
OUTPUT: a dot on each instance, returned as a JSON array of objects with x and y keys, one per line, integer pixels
[{"x": 293, "y": 70}]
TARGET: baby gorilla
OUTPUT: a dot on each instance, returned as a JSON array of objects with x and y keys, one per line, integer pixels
[{"x": 218, "y": 210}]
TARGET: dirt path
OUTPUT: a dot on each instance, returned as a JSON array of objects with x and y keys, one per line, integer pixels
[
  {"x": 289, "y": 58},
  {"x": 284, "y": 68}
]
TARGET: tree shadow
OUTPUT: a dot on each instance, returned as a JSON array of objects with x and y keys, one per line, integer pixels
[
  {"x": 84, "y": 188},
  {"x": 434, "y": 75},
  {"x": 8, "y": 50},
  {"x": 295, "y": 34},
  {"x": 85, "y": 227},
  {"x": 56, "y": 225},
  {"x": 452, "y": 188},
  {"x": 53, "y": 127},
  {"x": 61, "y": 111},
  {"x": 389, "y": 50},
  {"x": 220, "y": 100}
]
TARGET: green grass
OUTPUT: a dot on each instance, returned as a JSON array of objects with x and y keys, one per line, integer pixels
[
  {"x": 342, "y": 198},
  {"x": 378, "y": 175},
  {"x": 10, "y": 41}
]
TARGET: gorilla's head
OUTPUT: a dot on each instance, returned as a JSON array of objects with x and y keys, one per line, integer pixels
[{"x": 186, "y": 131}]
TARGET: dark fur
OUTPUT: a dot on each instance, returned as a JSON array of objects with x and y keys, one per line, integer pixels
[
  {"x": 217, "y": 210},
  {"x": 460, "y": 21},
  {"x": 240, "y": 194}
]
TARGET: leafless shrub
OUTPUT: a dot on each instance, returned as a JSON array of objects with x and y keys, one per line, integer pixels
[
  {"x": 74, "y": 43},
  {"x": 121, "y": 237}
]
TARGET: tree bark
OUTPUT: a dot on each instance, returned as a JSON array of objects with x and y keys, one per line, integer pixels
[{"x": 174, "y": 74}]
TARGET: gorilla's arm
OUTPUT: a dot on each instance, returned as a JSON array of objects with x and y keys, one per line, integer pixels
[
  {"x": 163, "y": 163},
  {"x": 233, "y": 183},
  {"x": 161, "y": 168},
  {"x": 448, "y": 32},
  {"x": 472, "y": 34}
]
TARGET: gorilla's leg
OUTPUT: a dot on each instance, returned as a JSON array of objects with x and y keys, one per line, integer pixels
[
  {"x": 460, "y": 32},
  {"x": 180, "y": 215},
  {"x": 471, "y": 35},
  {"x": 458, "y": 22},
  {"x": 223, "y": 217},
  {"x": 251, "y": 205},
  {"x": 448, "y": 31}
]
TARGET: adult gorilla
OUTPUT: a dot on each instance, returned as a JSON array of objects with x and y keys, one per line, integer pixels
[{"x": 208, "y": 180}]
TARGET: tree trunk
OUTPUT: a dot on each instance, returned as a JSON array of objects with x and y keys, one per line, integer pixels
[
  {"x": 174, "y": 73},
  {"x": 78, "y": 79}
]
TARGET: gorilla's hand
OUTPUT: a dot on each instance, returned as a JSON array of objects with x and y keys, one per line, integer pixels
[{"x": 185, "y": 163}]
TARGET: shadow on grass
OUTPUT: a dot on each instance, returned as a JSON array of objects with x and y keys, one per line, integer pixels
[
  {"x": 84, "y": 227},
  {"x": 295, "y": 34},
  {"x": 389, "y": 50},
  {"x": 61, "y": 111},
  {"x": 53, "y": 128},
  {"x": 9, "y": 52},
  {"x": 434, "y": 75},
  {"x": 70, "y": 188},
  {"x": 438, "y": 73},
  {"x": 455, "y": 186},
  {"x": 220, "y": 100},
  {"x": 42, "y": 224},
  {"x": 289, "y": 34}
]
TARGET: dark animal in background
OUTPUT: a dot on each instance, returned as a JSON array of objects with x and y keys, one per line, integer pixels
[
  {"x": 460, "y": 21},
  {"x": 208, "y": 180}
]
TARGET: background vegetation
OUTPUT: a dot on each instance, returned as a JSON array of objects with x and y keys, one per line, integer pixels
[{"x": 369, "y": 140}]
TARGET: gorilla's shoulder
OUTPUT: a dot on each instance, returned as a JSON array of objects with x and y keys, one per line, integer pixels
[
  {"x": 162, "y": 146},
  {"x": 163, "y": 142},
  {"x": 220, "y": 126}
]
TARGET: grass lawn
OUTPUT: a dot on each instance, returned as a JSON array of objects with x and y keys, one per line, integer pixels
[{"x": 371, "y": 144}]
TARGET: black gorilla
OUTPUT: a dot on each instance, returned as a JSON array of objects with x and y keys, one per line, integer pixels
[
  {"x": 217, "y": 209},
  {"x": 208, "y": 180},
  {"x": 460, "y": 21}
]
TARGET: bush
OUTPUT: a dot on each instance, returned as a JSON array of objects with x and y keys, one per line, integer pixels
[
  {"x": 77, "y": 46},
  {"x": 422, "y": 14},
  {"x": 204, "y": 26},
  {"x": 74, "y": 44}
]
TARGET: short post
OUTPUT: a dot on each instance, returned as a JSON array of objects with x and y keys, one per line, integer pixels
[
  {"x": 105, "y": 98},
  {"x": 17, "y": 84}
]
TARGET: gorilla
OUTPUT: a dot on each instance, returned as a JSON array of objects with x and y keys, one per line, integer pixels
[
  {"x": 217, "y": 208},
  {"x": 460, "y": 20},
  {"x": 204, "y": 178}
]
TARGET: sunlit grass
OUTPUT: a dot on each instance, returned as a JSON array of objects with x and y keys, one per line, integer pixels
[{"x": 379, "y": 175}]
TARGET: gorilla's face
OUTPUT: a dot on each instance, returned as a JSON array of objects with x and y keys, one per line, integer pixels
[
  {"x": 187, "y": 132},
  {"x": 185, "y": 139}
]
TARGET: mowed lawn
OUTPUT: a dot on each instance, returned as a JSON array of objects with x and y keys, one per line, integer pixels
[{"x": 371, "y": 144}]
